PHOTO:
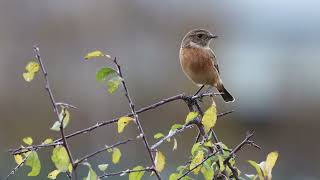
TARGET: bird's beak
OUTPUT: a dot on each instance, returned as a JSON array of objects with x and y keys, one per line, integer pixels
[{"x": 213, "y": 36}]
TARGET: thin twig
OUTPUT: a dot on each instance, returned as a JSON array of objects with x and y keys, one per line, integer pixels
[
  {"x": 204, "y": 160},
  {"x": 54, "y": 105},
  {"x": 88, "y": 156},
  {"x": 17, "y": 167},
  {"x": 136, "y": 118},
  {"x": 128, "y": 171}
]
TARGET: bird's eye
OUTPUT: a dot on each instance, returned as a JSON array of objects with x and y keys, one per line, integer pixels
[{"x": 200, "y": 35}]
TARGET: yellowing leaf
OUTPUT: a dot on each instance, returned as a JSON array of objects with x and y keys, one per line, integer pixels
[
  {"x": 60, "y": 158},
  {"x": 70, "y": 167},
  {"x": 174, "y": 176},
  {"x": 123, "y": 122},
  {"x": 95, "y": 54},
  {"x": 136, "y": 175},
  {"x": 270, "y": 162},
  {"x": 92, "y": 175},
  {"x": 103, "y": 167},
  {"x": 47, "y": 141},
  {"x": 158, "y": 135},
  {"x": 176, "y": 126},
  {"x": 209, "y": 118},
  {"x": 32, "y": 67},
  {"x": 27, "y": 140},
  {"x": 116, "y": 155},
  {"x": 65, "y": 115},
  {"x": 207, "y": 173},
  {"x": 191, "y": 116},
  {"x": 28, "y": 76},
  {"x": 160, "y": 161},
  {"x": 196, "y": 161},
  {"x": 195, "y": 148},
  {"x": 175, "y": 144},
  {"x": 221, "y": 163},
  {"x": 33, "y": 162},
  {"x": 257, "y": 167},
  {"x": 53, "y": 174},
  {"x": 113, "y": 84},
  {"x": 18, "y": 158}
]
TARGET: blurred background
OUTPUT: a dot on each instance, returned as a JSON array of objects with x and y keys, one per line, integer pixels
[{"x": 269, "y": 58}]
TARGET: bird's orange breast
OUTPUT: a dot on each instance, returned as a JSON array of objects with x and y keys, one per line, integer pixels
[{"x": 198, "y": 66}]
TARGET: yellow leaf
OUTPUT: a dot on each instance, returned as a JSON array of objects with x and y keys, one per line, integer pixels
[
  {"x": 160, "y": 161},
  {"x": 122, "y": 122},
  {"x": 209, "y": 118},
  {"x": 32, "y": 67},
  {"x": 53, "y": 174},
  {"x": 28, "y": 76},
  {"x": 116, "y": 155},
  {"x": 196, "y": 161},
  {"x": 191, "y": 116},
  {"x": 70, "y": 167},
  {"x": 18, "y": 158},
  {"x": 95, "y": 54},
  {"x": 270, "y": 162},
  {"x": 175, "y": 144},
  {"x": 47, "y": 141},
  {"x": 27, "y": 140}
]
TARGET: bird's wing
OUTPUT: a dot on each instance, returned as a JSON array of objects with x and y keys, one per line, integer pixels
[{"x": 214, "y": 59}]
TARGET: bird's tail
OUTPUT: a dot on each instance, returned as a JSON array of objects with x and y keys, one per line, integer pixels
[{"x": 227, "y": 97}]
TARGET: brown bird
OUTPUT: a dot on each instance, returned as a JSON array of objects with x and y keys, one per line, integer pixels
[{"x": 199, "y": 62}]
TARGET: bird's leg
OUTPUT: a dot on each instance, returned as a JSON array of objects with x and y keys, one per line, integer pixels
[{"x": 199, "y": 90}]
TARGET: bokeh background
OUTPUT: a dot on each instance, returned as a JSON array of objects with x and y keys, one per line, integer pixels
[{"x": 269, "y": 58}]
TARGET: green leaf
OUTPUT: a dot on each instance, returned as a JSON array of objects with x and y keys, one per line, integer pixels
[
  {"x": 60, "y": 158},
  {"x": 33, "y": 162},
  {"x": 47, "y": 141},
  {"x": 92, "y": 175},
  {"x": 116, "y": 155},
  {"x": 95, "y": 54},
  {"x": 174, "y": 176},
  {"x": 175, "y": 144},
  {"x": 28, "y": 140},
  {"x": 103, "y": 167},
  {"x": 191, "y": 116},
  {"x": 113, "y": 84},
  {"x": 196, "y": 161},
  {"x": 196, "y": 147},
  {"x": 176, "y": 126},
  {"x": 18, "y": 158},
  {"x": 136, "y": 175},
  {"x": 103, "y": 73},
  {"x": 158, "y": 136},
  {"x": 65, "y": 115},
  {"x": 207, "y": 173},
  {"x": 209, "y": 118},
  {"x": 160, "y": 161},
  {"x": 123, "y": 122},
  {"x": 257, "y": 167},
  {"x": 53, "y": 174}
]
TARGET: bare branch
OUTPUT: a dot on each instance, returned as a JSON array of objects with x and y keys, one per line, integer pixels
[
  {"x": 136, "y": 117},
  {"x": 54, "y": 104},
  {"x": 88, "y": 156}
]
